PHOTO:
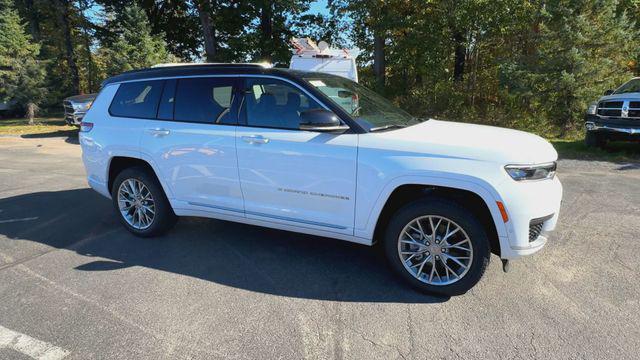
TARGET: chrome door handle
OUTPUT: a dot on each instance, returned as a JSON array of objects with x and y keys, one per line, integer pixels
[
  {"x": 255, "y": 139},
  {"x": 158, "y": 132}
]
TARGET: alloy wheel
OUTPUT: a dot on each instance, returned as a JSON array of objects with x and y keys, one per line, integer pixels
[
  {"x": 435, "y": 250},
  {"x": 136, "y": 204}
]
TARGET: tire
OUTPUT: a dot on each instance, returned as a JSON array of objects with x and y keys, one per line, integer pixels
[
  {"x": 162, "y": 219},
  {"x": 593, "y": 139},
  {"x": 450, "y": 213}
]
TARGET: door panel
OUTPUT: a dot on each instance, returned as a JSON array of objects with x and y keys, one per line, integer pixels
[
  {"x": 195, "y": 153},
  {"x": 290, "y": 176}
]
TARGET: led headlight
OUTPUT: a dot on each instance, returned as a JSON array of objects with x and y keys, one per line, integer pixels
[
  {"x": 531, "y": 172},
  {"x": 592, "y": 109},
  {"x": 82, "y": 106}
]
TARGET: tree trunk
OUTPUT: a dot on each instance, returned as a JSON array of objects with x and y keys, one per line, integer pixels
[
  {"x": 32, "y": 109},
  {"x": 208, "y": 30},
  {"x": 460, "y": 52},
  {"x": 34, "y": 22},
  {"x": 63, "y": 19},
  {"x": 87, "y": 45},
  {"x": 379, "y": 64},
  {"x": 266, "y": 29}
]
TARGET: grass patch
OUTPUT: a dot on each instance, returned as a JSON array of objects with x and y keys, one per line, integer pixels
[
  {"x": 48, "y": 126},
  {"x": 614, "y": 151}
]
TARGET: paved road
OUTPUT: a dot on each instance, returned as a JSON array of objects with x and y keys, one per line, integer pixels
[{"x": 75, "y": 285}]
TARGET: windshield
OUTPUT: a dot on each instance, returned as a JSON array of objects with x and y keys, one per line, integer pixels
[
  {"x": 370, "y": 110},
  {"x": 632, "y": 86}
]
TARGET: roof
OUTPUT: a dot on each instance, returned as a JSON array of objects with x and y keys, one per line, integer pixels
[{"x": 190, "y": 70}]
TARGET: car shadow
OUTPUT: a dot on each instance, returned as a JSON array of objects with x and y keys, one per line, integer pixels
[{"x": 237, "y": 255}]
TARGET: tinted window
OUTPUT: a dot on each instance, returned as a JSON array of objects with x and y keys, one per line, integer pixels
[
  {"x": 276, "y": 104},
  {"x": 165, "y": 110},
  {"x": 137, "y": 99},
  {"x": 206, "y": 100}
]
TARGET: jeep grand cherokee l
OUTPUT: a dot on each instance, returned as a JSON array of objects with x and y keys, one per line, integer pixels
[{"x": 319, "y": 154}]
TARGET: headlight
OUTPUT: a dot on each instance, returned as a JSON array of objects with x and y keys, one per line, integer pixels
[
  {"x": 531, "y": 172},
  {"x": 592, "y": 109},
  {"x": 82, "y": 106}
]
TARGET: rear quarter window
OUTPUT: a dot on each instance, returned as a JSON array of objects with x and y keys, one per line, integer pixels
[{"x": 137, "y": 99}]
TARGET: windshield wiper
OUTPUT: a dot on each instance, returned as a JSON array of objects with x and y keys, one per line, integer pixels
[{"x": 379, "y": 128}]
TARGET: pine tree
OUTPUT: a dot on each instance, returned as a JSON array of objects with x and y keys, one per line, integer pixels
[
  {"x": 21, "y": 75},
  {"x": 134, "y": 46},
  {"x": 582, "y": 48}
]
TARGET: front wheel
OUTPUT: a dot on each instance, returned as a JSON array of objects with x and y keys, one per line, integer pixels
[
  {"x": 593, "y": 139},
  {"x": 437, "y": 246},
  {"x": 141, "y": 204}
]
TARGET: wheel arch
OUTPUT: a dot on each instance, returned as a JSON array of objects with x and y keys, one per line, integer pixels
[
  {"x": 120, "y": 162},
  {"x": 471, "y": 196}
]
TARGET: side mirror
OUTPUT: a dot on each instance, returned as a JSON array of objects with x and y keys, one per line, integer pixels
[
  {"x": 608, "y": 92},
  {"x": 320, "y": 120}
]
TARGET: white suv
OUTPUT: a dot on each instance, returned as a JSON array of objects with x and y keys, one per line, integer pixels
[{"x": 272, "y": 147}]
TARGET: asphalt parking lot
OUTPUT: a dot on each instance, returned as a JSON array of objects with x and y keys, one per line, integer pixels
[{"x": 75, "y": 285}]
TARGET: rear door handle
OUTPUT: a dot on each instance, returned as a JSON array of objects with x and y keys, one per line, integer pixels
[
  {"x": 158, "y": 132},
  {"x": 255, "y": 139}
]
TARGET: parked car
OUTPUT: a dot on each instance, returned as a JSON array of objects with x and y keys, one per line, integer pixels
[
  {"x": 615, "y": 116},
  {"x": 269, "y": 147},
  {"x": 76, "y": 106}
]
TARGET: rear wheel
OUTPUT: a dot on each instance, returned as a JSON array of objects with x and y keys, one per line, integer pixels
[
  {"x": 141, "y": 203},
  {"x": 437, "y": 246}
]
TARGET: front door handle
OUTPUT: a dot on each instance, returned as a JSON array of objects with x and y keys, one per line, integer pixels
[
  {"x": 255, "y": 139},
  {"x": 158, "y": 132}
]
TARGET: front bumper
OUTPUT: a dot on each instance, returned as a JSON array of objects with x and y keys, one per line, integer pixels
[
  {"x": 622, "y": 128},
  {"x": 533, "y": 208}
]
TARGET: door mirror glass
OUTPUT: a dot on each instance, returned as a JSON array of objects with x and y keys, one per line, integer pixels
[
  {"x": 608, "y": 92},
  {"x": 320, "y": 120}
]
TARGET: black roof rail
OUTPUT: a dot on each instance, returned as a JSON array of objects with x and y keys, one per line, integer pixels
[{"x": 172, "y": 70}]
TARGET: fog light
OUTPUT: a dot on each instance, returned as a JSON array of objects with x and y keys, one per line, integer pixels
[{"x": 590, "y": 126}]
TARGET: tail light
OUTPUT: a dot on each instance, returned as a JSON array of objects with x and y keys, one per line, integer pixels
[{"x": 86, "y": 126}]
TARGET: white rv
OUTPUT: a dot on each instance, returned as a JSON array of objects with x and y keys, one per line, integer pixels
[{"x": 321, "y": 58}]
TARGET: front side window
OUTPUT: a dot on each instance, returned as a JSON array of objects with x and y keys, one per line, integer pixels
[
  {"x": 274, "y": 103},
  {"x": 372, "y": 111},
  {"x": 204, "y": 100},
  {"x": 137, "y": 99}
]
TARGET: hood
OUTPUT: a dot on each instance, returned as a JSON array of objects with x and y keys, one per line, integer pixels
[
  {"x": 81, "y": 98},
  {"x": 479, "y": 142},
  {"x": 631, "y": 95}
]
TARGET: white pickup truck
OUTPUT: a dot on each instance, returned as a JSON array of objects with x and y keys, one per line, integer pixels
[{"x": 271, "y": 147}]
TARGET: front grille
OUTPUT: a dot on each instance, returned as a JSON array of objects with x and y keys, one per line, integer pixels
[
  {"x": 619, "y": 109},
  {"x": 68, "y": 108}
]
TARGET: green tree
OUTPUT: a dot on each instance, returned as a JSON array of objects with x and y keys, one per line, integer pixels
[
  {"x": 21, "y": 75},
  {"x": 581, "y": 49},
  {"x": 133, "y": 46}
]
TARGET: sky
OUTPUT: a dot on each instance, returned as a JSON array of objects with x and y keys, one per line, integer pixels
[{"x": 319, "y": 7}]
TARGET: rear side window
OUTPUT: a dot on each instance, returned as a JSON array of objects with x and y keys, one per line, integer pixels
[
  {"x": 205, "y": 100},
  {"x": 137, "y": 99}
]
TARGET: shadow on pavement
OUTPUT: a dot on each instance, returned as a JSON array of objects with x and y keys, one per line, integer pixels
[
  {"x": 241, "y": 256},
  {"x": 57, "y": 133}
]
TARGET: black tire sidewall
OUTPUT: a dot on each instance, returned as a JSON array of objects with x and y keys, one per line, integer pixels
[
  {"x": 164, "y": 218},
  {"x": 458, "y": 214}
]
